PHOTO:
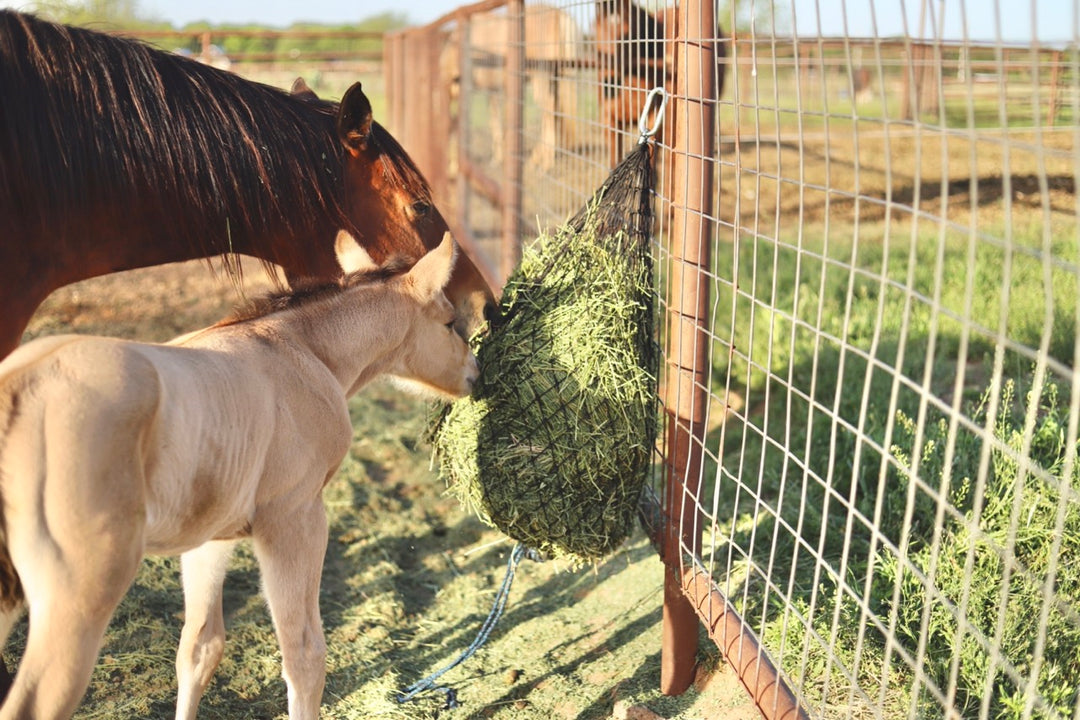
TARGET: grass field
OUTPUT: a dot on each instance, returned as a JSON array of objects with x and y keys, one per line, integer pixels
[{"x": 877, "y": 515}]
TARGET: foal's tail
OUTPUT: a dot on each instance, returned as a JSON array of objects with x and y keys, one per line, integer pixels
[
  {"x": 11, "y": 590},
  {"x": 11, "y": 600},
  {"x": 18, "y": 387}
]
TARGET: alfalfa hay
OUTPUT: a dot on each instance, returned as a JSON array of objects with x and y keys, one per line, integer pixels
[{"x": 554, "y": 445}]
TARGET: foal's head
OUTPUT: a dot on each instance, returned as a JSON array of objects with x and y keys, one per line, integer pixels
[{"x": 432, "y": 357}]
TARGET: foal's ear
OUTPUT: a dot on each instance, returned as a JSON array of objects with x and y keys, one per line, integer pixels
[
  {"x": 354, "y": 120},
  {"x": 351, "y": 255},
  {"x": 301, "y": 90},
  {"x": 432, "y": 272}
]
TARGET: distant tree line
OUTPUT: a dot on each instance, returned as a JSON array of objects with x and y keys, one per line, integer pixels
[{"x": 234, "y": 39}]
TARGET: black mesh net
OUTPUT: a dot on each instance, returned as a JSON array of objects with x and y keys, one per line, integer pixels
[{"x": 554, "y": 445}]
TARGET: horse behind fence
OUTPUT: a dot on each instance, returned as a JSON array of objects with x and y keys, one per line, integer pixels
[
  {"x": 112, "y": 449},
  {"x": 636, "y": 53}
]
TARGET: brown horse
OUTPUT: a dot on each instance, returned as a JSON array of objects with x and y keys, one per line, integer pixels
[
  {"x": 636, "y": 51},
  {"x": 114, "y": 155}
]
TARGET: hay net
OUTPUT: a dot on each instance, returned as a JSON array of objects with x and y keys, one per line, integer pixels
[{"x": 554, "y": 445}]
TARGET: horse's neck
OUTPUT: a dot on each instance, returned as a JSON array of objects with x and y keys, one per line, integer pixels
[{"x": 356, "y": 341}]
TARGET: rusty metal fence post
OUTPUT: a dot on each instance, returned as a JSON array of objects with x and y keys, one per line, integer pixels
[
  {"x": 514, "y": 114},
  {"x": 687, "y": 352}
]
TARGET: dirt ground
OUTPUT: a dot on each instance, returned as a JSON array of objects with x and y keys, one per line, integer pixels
[{"x": 409, "y": 577}]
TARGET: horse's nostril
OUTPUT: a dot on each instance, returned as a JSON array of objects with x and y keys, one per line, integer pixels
[{"x": 491, "y": 312}]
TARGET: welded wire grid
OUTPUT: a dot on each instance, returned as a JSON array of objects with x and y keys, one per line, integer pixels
[
  {"x": 888, "y": 492},
  {"x": 889, "y": 498}
]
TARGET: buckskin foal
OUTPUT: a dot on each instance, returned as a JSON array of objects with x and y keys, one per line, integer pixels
[{"x": 112, "y": 449}]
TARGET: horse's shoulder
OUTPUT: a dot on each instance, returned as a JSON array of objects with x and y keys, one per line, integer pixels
[{"x": 257, "y": 355}]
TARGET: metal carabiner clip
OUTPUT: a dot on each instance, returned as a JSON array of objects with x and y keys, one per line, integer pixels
[{"x": 646, "y": 131}]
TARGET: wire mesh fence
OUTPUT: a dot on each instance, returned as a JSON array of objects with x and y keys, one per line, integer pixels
[{"x": 884, "y": 408}]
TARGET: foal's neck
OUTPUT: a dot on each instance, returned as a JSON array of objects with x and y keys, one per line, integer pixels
[{"x": 354, "y": 334}]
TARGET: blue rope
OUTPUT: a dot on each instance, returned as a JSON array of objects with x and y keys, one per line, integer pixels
[{"x": 428, "y": 684}]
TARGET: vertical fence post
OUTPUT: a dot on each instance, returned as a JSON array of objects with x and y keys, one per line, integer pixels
[
  {"x": 415, "y": 117},
  {"x": 438, "y": 104},
  {"x": 912, "y": 93},
  {"x": 1055, "y": 79},
  {"x": 404, "y": 78},
  {"x": 512, "y": 160},
  {"x": 464, "y": 115},
  {"x": 390, "y": 70},
  {"x": 687, "y": 352}
]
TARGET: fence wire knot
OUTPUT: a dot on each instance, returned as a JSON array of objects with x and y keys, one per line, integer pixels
[{"x": 643, "y": 121}]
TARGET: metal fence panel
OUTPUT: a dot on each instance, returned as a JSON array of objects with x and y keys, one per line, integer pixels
[{"x": 887, "y": 492}]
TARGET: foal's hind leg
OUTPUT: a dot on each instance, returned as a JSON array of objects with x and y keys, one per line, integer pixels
[
  {"x": 202, "y": 641},
  {"x": 8, "y": 618},
  {"x": 71, "y": 600},
  {"x": 290, "y": 555}
]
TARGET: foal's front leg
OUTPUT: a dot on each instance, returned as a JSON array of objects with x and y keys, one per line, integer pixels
[
  {"x": 290, "y": 551},
  {"x": 202, "y": 641}
]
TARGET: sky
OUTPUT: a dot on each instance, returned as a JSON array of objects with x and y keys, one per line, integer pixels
[{"x": 1008, "y": 20}]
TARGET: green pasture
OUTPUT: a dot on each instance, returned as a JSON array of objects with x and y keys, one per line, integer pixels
[{"x": 870, "y": 358}]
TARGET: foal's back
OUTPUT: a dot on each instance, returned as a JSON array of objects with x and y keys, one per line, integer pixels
[{"x": 192, "y": 433}]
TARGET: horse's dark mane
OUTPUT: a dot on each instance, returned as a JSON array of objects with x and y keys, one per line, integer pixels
[
  {"x": 308, "y": 291},
  {"x": 111, "y": 125}
]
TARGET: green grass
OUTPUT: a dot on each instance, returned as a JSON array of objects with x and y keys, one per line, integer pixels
[
  {"x": 999, "y": 547},
  {"x": 852, "y": 351}
]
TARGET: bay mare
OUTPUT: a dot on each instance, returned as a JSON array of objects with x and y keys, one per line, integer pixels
[
  {"x": 115, "y": 155},
  {"x": 112, "y": 449}
]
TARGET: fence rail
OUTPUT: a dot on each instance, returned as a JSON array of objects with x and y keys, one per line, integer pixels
[{"x": 870, "y": 469}]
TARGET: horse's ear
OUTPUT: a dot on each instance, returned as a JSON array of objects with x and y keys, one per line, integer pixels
[
  {"x": 354, "y": 120},
  {"x": 301, "y": 90},
  {"x": 350, "y": 254},
  {"x": 432, "y": 272}
]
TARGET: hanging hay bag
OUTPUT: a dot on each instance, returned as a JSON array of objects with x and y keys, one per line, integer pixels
[{"x": 554, "y": 445}]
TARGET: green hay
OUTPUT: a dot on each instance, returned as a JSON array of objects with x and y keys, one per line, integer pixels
[{"x": 554, "y": 445}]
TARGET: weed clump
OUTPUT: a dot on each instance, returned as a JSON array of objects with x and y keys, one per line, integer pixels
[{"x": 993, "y": 571}]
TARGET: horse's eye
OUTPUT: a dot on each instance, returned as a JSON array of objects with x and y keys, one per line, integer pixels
[{"x": 421, "y": 207}]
